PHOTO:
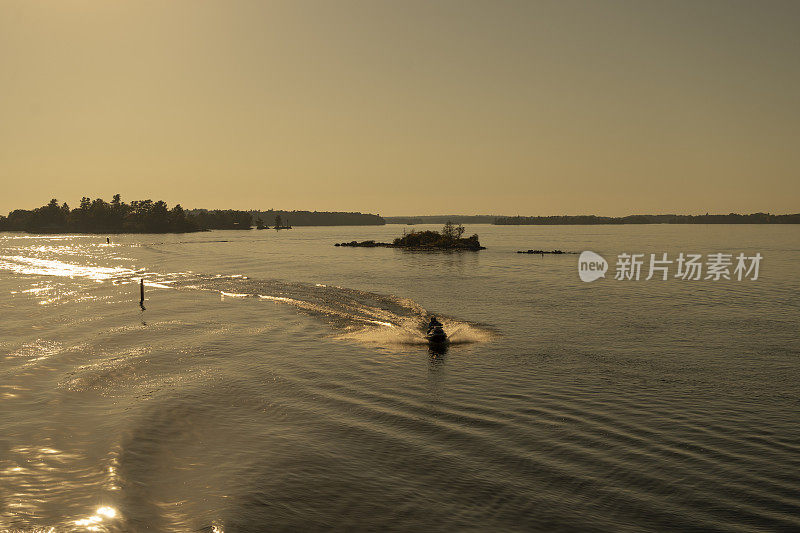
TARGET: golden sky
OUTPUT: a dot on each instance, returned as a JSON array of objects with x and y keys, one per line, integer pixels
[{"x": 404, "y": 107}]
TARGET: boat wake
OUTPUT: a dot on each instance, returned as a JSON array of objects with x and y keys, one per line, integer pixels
[{"x": 354, "y": 315}]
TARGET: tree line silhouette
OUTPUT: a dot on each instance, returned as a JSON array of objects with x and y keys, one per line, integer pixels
[
  {"x": 139, "y": 216},
  {"x": 321, "y": 218},
  {"x": 731, "y": 218}
]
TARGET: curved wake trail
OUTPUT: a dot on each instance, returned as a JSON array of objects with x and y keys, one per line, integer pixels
[{"x": 356, "y": 315}]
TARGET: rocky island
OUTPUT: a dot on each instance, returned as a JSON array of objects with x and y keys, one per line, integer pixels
[{"x": 450, "y": 238}]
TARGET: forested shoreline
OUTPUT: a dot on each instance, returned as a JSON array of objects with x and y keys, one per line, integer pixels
[{"x": 138, "y": 216}]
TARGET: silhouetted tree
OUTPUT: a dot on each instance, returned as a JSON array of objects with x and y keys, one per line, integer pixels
[{"x": 449, "y": 232}]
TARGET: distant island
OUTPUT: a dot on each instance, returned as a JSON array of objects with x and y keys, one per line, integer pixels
[
  {"x": 450, "y": 238},
  {"x": 442, "y": 219},
  {"x": 731, "y": 218},
  {"x": 320, "y": 218},
  {"x": 220, "y": 218},
  {"x": 148, "y": 216}
]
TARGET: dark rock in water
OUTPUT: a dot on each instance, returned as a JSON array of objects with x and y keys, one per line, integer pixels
[
  {"x": 542, "y": 252},
  {"x": 363, "y": 244}
]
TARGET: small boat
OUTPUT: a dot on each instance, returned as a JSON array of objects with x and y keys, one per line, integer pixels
[{"x": 436, "y": 335}]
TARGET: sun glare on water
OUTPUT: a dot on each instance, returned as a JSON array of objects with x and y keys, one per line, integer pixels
[{"x": 94, "y": 522}]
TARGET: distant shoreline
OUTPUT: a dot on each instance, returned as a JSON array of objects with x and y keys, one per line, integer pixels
[
  {"x": 147, "y": 216},
  {"x": 593, "y": 220}
]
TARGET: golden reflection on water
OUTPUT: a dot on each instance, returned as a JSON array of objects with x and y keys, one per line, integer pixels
[
  {"x": 71, "y": 258},
  {"x": 95, "y": 522},
  {"x": 70, "y": 261},
  {"x": 37, "y": 350},
  {"x": 31, "y": 476},
  {"x": 34, "y": 475},
  {"x": 52, "y": 267}
]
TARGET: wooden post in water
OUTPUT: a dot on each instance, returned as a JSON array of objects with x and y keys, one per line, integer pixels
[{"x": 141, "y": 293}]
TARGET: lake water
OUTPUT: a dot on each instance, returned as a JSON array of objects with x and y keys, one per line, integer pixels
[{"x": 276, "y": 382}]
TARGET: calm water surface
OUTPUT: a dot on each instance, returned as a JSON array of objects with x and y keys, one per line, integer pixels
[{"x": 275, "y": 382}]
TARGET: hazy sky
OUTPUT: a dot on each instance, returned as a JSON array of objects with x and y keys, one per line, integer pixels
[{"x": 404, "y": 107}]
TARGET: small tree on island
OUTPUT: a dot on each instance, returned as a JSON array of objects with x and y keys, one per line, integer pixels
[
  {"x": 448, "y": 232},
  {"x": 278, "y": 222},
  {"x": 451, "y": 234}
]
